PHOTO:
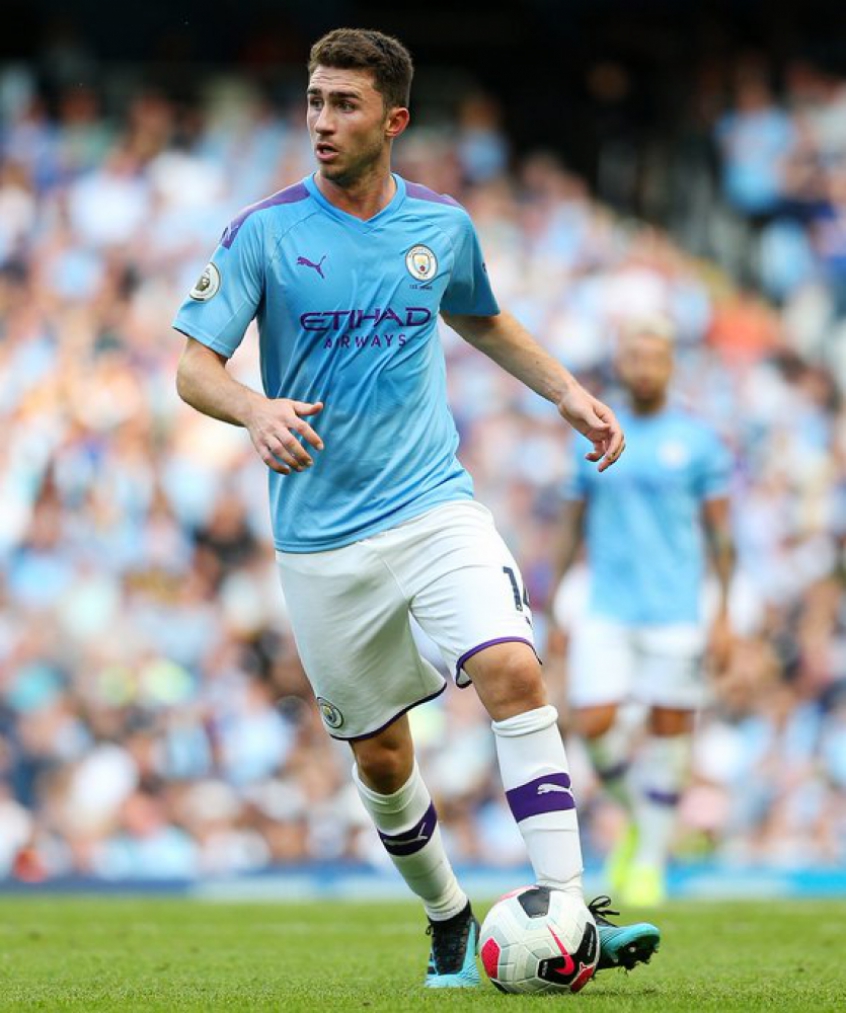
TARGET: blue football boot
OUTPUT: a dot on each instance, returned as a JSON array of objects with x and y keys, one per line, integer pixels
[
  {"x": 622, "y": 945},
  {"x": 455, "y": 943}
]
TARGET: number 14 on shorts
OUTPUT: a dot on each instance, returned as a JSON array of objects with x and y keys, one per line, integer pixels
[{"x": 519, "y": 600}]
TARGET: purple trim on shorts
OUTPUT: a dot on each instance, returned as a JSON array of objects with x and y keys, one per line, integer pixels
[
  {"x": 667, "y": 798},
  {"x": 480, "y": 647},
  {"x": 399, "y": 714},
  {"x": 547, "y": 794},
  {"x": 409, "y": 842},
  {"x": 290, "y": 195},
  {"x": 420, "y": 192}
]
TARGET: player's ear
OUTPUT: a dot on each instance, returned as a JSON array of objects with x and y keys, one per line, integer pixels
[{"x": 397, "y": 121}]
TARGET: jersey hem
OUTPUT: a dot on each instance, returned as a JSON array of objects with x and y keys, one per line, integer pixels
[{"x": 392, "y": 521}]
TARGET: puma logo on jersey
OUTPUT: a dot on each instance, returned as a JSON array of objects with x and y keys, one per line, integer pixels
[
  {"x": 545, "y": 789},
  {"x": 305, "y": 262}
]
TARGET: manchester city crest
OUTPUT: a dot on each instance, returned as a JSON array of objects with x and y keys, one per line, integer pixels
[
  {"x": 208, "y": 284},
  {"x": 422, "y": 264},
  {"x": 332, "y": 717}
]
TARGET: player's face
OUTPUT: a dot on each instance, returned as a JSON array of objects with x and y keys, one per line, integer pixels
[
  {"x": 349, "y": 126},
  {"x": 645, "y": 366}
]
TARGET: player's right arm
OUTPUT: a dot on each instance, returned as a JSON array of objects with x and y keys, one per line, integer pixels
[
  {"x": 568, "y": 540},
  {"x": 203, "y": 381},
  {"x": 214, "y": 318}
]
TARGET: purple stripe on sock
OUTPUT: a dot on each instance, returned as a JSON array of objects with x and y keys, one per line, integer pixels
[
  {"x": 409, "y": 842},
  {"x": 613, "y": 773},
  {"x": 547, "y": 794},
  {"x": 668, "y": 798}
]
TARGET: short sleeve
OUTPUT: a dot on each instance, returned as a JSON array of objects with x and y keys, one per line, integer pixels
[
  {"x": 469, "y": 290},
  {"x": 714, "y": 468},
  {"x": 227, "y": 294}
]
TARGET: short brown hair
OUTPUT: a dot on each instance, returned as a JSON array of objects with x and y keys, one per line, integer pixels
[{"x": 365, "y": 49}]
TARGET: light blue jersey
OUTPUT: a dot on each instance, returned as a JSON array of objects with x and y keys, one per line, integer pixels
[
  {"x": 347, "y": 314},
  {"x": 643, "y": 534}
]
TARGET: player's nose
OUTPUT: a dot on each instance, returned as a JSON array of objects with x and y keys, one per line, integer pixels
[{"x": 324, "y": 124}]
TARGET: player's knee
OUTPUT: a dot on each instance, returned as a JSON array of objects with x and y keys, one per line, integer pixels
[
  {"x": 384, "y": 768},
  {"x": 591, "y": 722},
  {"x": 512, "y": 686},
  {"x": 667, "y": 721}
]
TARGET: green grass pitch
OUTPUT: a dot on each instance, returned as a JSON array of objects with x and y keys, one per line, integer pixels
[{"x": 176, "y": 954}]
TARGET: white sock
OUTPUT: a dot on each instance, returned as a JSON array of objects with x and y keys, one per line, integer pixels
[
  {"x": 610, "y": 754},
  {"x": 408, "y": 827},
  {"x": 660, "y": 774},
  {"x": 536, "y": 779}
]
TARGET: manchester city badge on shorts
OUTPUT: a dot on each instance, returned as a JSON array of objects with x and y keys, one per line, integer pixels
[
  {"x": 332, "y": 717},
  {"x": 422, "y": 264},
  {"x": 208, "y": 284}
]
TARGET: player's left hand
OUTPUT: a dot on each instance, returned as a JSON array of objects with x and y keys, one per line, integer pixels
[{"x": 597, "y": 422}]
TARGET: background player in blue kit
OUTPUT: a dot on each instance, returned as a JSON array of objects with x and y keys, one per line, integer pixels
[
  {"x": 642, "y": 639},
  {"x": 374, "y": 518}
]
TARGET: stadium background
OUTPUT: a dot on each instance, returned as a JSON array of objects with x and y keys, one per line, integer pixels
[{"x": 688, "y": 159}]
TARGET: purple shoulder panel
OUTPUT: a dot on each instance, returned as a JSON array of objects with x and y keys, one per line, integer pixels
[
  {"x": 290, "y": 195},
  {"x": 420, "y": 192}
]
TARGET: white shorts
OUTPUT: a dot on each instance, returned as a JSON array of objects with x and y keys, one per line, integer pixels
[
  {"x": 660, "y": 666},
  {"x": 349, "y": 609}
]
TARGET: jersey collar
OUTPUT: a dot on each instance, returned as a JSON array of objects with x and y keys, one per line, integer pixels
[{"x": 388, "y": 211}]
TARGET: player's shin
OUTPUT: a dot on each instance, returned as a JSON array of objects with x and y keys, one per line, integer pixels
[
  {"x": 408, "y": 827},
  {"x": 536, "y": 778},
  {"x": 610, "y": 754},
  {"x": 660, "y": 775}
]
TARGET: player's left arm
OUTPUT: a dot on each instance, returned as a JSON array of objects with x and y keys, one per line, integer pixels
[
  {"x": 716, "y": 521},
  {"x": 505, "y": 340}
]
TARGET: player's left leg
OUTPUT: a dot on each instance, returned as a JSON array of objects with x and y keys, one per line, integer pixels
[
  {"x": 535, "y": 774},
  {"x": 466, "y": 591},
  {"x": 532, "y": 760}
]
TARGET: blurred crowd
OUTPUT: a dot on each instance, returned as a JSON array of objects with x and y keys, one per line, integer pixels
[{"x": 154, "y": 717}]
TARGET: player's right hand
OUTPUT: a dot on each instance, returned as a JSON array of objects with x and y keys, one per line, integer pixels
[{"x": 276, "y": 426}]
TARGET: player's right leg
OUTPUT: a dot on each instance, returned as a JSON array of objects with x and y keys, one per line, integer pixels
[
  {"x": 601, "y": 670},
  {"x": 608, "y": 746},
  {"x": 350, "y": 620},
  {"x": 661, "y": 774},
  {"x": 671, "y": 683},
  {"x": 394, "y": 794}
]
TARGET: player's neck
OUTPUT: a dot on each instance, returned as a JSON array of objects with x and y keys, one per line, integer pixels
[
  {"x": 653, "y": 406},
  {"x": 364, "y": 197}
]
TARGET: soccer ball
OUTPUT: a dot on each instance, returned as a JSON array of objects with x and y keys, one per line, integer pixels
[{"x": 539, "y": 940}]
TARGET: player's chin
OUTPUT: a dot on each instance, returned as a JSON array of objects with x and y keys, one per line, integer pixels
[{"x": 334, "y": 170}]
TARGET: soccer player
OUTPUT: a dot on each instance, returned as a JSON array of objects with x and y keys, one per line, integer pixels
[
  {"x": 645, "y": 526},
  {"x": 373, "y": 516}
]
